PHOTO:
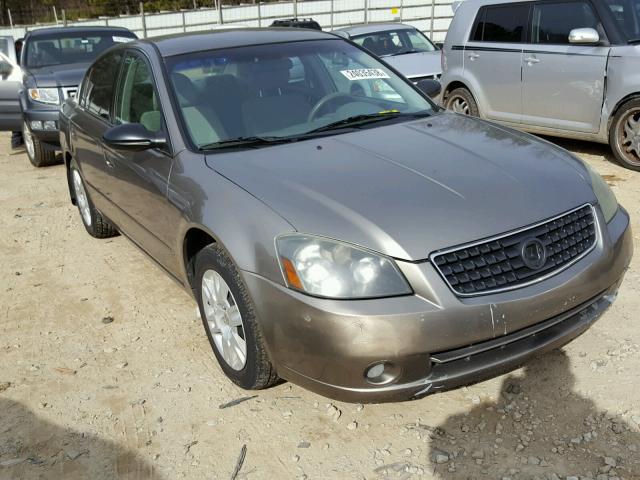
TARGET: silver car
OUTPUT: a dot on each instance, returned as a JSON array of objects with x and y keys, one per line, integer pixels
[
  {"x": 403, "y": 47},
  {"x": 368, "y": 249},
  {"x": 563, "y": 68}
]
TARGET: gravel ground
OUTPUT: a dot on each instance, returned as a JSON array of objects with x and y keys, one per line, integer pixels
[{"x": 105, "y": 372}]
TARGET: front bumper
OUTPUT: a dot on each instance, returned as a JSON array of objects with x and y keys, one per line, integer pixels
[
  {"x": 50, "y": 137},
  {"x": 434, "y": 340}
]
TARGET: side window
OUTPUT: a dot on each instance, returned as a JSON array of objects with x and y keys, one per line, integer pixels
[
  {"x": 552, "y": 22},
  {"x": 504, "y": 23},
  {"x": 82, "y": 94},
  {"x": 136, "y": 100},
  {"x": 99, "y": 84}
]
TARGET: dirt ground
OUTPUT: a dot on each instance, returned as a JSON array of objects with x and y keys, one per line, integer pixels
[{"x": 105, "y": 372}]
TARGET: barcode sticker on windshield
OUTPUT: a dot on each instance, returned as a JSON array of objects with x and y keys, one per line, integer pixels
[
  {"x": 121, "y": 39},
  {"x": 364, "y": 73}
]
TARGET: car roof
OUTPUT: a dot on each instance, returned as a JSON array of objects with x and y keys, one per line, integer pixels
[
  {"x": 181, "y": 43},
  {"x": 482, "y": 3},
  {"x": 364, "y": 28},
  {"x": 76, "y": 29}
]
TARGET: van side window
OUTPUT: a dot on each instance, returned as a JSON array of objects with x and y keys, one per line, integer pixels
[
  {"x": 503, "y": 23},
  {"x": 552, "y": 22}
]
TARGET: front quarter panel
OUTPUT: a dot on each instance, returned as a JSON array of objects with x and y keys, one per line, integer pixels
[
  {"x": 623, "y": 77},
  {"x": 241, "y": 223}
]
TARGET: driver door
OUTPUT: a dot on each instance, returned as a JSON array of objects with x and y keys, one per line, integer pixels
[
  {"x": 563, "y": 84},
  {"x": 10, "y": 85},
  {"x": 138, "y": 180}
]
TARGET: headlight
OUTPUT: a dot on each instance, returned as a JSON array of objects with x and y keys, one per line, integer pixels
[
  {"x": 604, "y": 194},
  {"x": 44, "y": 95},
  {"x": 327, "y": 268}
]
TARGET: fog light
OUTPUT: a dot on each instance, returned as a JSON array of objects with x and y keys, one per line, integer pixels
[
  {"x": 381, "y": 373},
  {"x": 375, "y": 371},
  {"x": 36, "y": 125},
  {"x": 50, "y": 125}
]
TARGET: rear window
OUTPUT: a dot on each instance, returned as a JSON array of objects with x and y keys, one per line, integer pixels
[
  {"x": 67, "y": 48},
  {"x": 504, "y": 23}
]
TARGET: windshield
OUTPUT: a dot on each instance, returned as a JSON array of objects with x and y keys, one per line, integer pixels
[
  {"x": 67, "y": 48},
  {"x": 395, "y": 42},
  {"x": 286, "y": 91},
  {"x": 627, "y": 14}
]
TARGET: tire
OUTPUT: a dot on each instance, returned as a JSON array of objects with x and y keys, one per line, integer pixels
[
  {"x": 461, "y": 101},
  {"x": 624, "y": 135},
  {"x": 94, "y": 222},
  {"x": 39, "y": 156},
  {"x": 228, "y": 316}
]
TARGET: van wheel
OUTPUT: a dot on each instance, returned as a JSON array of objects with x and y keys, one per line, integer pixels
[
  {"x": 38, "y": 155},
  {"x": 230, "y": 320},
  {"x": 624, "y": 135},
  {"x": 96, "y": 225},
  {"x": 461, "y": 101}
]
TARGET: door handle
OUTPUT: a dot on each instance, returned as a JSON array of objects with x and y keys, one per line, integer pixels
[
  {"x": 531, "y": 60},
  {"x": 106, "y": 160},
  {"x": 473, "y": 56}
]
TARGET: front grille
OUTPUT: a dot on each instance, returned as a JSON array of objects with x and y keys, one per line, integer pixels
[
  {"x": 497, "y": 264},
  {"x": 69, "y": 92}
]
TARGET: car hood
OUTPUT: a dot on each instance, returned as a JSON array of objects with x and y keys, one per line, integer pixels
[
  {"x": 416, "y": 64},
  {"x": 409, "y": 189},
  {"x": 59, "y": 75}
]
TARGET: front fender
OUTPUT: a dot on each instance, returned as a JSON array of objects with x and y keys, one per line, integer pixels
[
  {"x": 243, "y": 225},
  {"x": 623, "y": 78}
]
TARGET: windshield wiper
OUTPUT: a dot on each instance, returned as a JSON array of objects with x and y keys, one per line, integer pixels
[
  {"x": 633, "y": 41},
  {"x": 360, "y": 120},
  {"x": 405, "y": 52},
  {"x": 243, "y": 142}
]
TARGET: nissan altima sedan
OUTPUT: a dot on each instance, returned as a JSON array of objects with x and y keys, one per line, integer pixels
[{"x": 367, "y": 248}]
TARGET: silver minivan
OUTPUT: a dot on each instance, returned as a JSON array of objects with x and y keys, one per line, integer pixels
[{"x": 567, "y": 68}]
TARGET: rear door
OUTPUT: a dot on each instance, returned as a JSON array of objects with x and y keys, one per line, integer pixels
[
  {"x": 493, "y": 60},
  {"x": 563, "y": 84}
]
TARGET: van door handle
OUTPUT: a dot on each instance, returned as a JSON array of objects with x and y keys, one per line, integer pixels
[
  {"x": 531, "y": 60},
  {"x": 473, "y": 56}
]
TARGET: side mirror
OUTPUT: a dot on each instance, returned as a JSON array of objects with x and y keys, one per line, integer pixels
[
  {"x": 134, "y": 137},
  {"x": 582, "y": 36},
  {"x": 431, "y": 88},
  {"x": 5, "y": 69}
]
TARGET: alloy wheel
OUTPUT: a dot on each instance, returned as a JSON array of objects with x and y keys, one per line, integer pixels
[
  {"x": 628, "y": 136},
  {"x": 459, "y": 105},
  {"x": 224, "y": 320},
  {"x": 28, "y": 141},
  {"x": 81, "y": 197}
]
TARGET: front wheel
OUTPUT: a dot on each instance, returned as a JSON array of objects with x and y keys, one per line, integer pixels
[
  {"x": 39, "y": 156},
  {"x": 230, "y": 321},
  {"x": 624, "y": 135},
  {"x": 461, "y": 101}
]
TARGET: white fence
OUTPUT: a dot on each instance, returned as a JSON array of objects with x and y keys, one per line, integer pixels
[{"x": 430, "y": 16}]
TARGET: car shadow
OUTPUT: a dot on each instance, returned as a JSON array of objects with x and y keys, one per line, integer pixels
[
  {"x": 34, "y": 448},
  {"x": 582, "y": 147},
  {"x": 539, "y": 427}
]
